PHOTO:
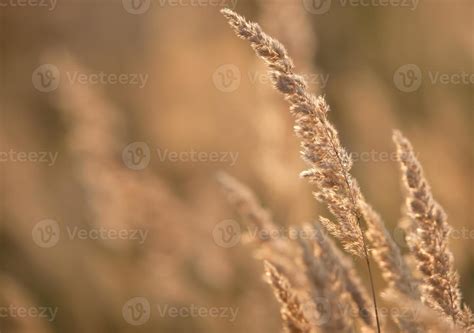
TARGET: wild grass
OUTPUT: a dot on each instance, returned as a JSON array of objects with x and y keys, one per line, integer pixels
[{"x": 331, "y": 285}]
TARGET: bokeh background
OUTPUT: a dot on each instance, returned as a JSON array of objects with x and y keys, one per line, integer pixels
[{"x": 136, "y": 156}]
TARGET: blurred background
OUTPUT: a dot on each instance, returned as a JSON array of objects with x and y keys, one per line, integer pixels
[{"x": 117, "y": 115}]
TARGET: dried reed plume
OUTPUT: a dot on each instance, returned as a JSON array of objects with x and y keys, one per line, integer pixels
[
  {"x": 429, "y": 239},
  {"x": 292, "y": 311},
  {"x": 414, "y": 311},
  {"x": 330, "y": 262},
  {"x": 273, "y": 245},
  {"x": 333, "y": 276},
  {"x": 273, "y": 142},
  {"x": 247, "y": 205},
  {"x": 329, "y": 274},
  {"x": 276, "y": 251},
  {"x": 322, "y": 150},
  {"x": 118, "y": 197},
  {"x": 395, "y": 270}
]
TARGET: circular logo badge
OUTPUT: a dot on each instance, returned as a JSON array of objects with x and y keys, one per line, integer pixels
[
  {"x": 226, "y": 78},
  {"x": 136, "y": 7},
  {"x": 136, "y": 311},
  {"x": 46, "y": 78},
  {"x": 136, "y": 156},
  {"x": 227, "y": 233},
  {"x": 318, "y": 310},
  {"x": 46, "y": 233},
  {"x": 408, "y": 78},
  {"x": 317, "y": 7}
]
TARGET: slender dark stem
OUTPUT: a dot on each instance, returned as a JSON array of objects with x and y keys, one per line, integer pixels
[
  {"x": 372, "y": 288},
  {"x": 364, "y": 243}
]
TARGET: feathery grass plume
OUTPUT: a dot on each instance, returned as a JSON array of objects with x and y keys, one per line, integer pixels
[
  {"x": 273, "y": 244},
  {"x": 329, "y": 257},
  {"x": 322, "y": 150},
  {"x": 118, "y": 197},
  {"x": 281, "y": 252},
  {"x": 298, "y": 37},
  {"x": 272, "y": 144},
  {"x": 292, "y": 311},
  {"x": 321, "y": 146},
  {"x": 247, "y": 205},
  {"x": 393, "y": 267},
  {"x": 415, "y": 311},
  {"x": 429, "y": 240},
  {"x": 388, "y": 256},
  {"x": 328, "y": 290}
]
